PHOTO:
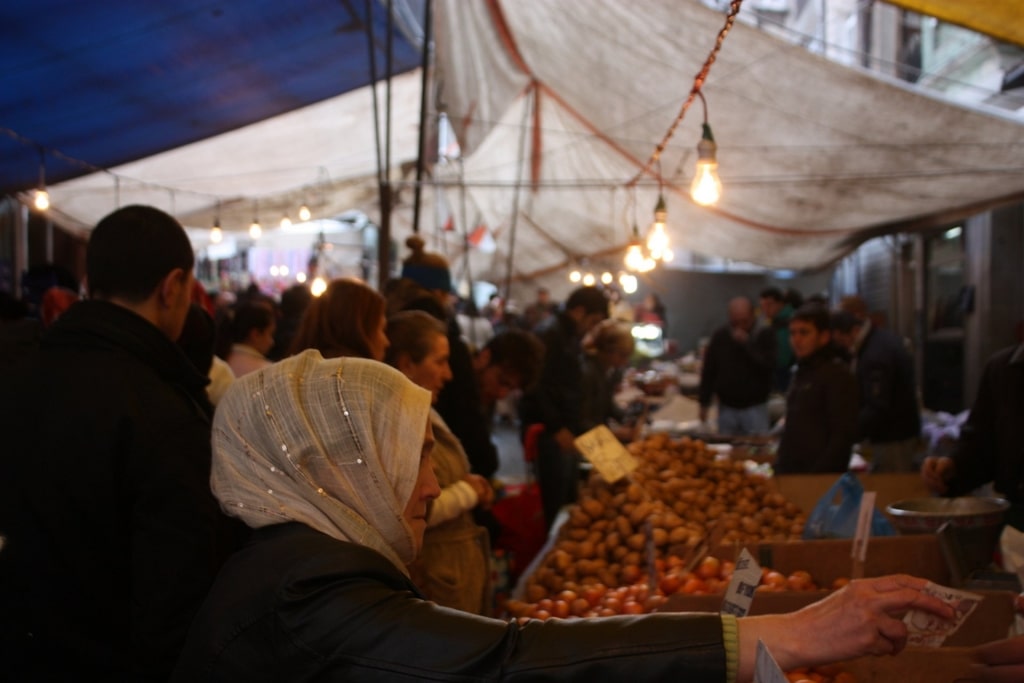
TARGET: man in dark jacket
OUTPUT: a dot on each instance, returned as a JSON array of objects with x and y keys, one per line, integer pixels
[
  {"x": 737, "y": 369},
  {"x": 556, "y": 402},
  {"x": 821, "y": 406},
  {"x": 112, "y": 535},
  {"x": 991, "y": 444},
  {"x": 889, "y": 426}
]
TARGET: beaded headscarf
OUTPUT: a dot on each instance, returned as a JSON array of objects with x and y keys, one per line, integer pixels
[{"x": 334, "y": 444}]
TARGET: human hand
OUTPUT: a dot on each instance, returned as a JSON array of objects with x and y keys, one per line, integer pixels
[
  {"x": 864, "y": 618},
  {"x": 564, "y": 438},
  {"x": 937, "y": 472},
  {"x": 739, "y": 334},
  {"x": 1001, "y": 661},
  {"x": 482, "y": 487}
]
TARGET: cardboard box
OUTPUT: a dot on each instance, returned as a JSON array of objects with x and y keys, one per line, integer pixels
[
  {"x": 829, "y": 559},
  {"x": 990, "y": 621},
  {"x": 915, "y": 665}
]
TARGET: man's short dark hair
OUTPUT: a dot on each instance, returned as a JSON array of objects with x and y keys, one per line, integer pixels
[
  {"x": 816, "y": 315},
  {"x": 518, "y": 352},
  {"x": 132, "y": 250},
  {"x": 592, "y": 299},
  {"x": 843, "y": 321},
  {"x": 773, "y": 293}
]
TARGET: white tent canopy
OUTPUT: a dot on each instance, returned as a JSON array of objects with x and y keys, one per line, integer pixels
[
  {"x": 558, "y": 105},
  {"x": 570, "y": 99}
]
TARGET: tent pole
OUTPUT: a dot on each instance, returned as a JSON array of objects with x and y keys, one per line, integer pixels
[
  {"x": 515, "y": 193},
  {"x": 420, "y": 159}
]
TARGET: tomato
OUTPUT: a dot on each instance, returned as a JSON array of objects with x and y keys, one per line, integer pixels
[
  {"x": 709, "y": 568},
  {"x": 800, "y": 581}
]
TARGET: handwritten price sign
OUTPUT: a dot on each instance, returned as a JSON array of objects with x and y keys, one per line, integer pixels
[{"x": 606, "y": 452}]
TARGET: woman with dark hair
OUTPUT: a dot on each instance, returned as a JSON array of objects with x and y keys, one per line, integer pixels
[
  {"x": 252, "y": 328},
  {"x": 348, "y": 319},
  {"x": 454, "y": 566}
]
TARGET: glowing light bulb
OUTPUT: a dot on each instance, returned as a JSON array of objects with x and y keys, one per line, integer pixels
[
  {"x": 606, "y": 278},
  {"x": 706, "y": 188},
  {"x": 634, "y": 257},
  {"x": 285, "y": 221},
  {"x": 255, "y": 230},
  {"x": 589, "y": 280},
  {"x": 657, "y": 240},
  {"x": 630, "y": 284},
  {"x": 283, "y": 270},
  {"x": 42, "y": 199},
  {"x": 667, "y": 255},
  {"x": 575, "y": 276},
  {"x": 318, "y": 287},
  {"x": 216, "y": 234},
  {"x": 273, "y": 271},
  {"x": 300, "y": 277},
  {"x": 304, "y": 213}
]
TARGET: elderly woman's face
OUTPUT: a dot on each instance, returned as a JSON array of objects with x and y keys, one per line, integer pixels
[{"x": 424, "y": 492}]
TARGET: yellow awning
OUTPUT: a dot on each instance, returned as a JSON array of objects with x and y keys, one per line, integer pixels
[{"x": 1001, "y": 19}]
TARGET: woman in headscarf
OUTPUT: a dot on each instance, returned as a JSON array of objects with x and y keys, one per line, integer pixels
[
  {"x": 329, "y": 461},
  {"x": 348, "y": 319},
  {"x": 454, "y": 567}
]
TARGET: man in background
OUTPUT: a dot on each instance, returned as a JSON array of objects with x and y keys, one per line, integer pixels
[
  {"x": 556, "y": 401},
  {"x": 737, "y": 370},
  {"x": 821, "y": 406},
  {"x": 777, "y": 313},
  {"x": 112, "y": 536},
  {"x": 889, "y": 424}
]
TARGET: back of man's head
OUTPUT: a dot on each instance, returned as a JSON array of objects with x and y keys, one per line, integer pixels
[
  {"x": 519, "y": 353},
  {"x": 590, "y": 299},
  {"x": 816, "y": 315},
  {"x": 132, "y": 250}
]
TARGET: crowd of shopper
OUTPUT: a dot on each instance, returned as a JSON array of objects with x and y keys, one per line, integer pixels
[{"x": 194, "y": 492}]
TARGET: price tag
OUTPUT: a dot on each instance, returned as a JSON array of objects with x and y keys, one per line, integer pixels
[
  {"x": 606, "y": 452},
  {"x": 766, "y": 669},
  {"x": 740, "y": 593},
  {"x": 860, "y": 540}
]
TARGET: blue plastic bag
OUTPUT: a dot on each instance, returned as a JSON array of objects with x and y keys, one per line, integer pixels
[{"x": 835, "y": 514}]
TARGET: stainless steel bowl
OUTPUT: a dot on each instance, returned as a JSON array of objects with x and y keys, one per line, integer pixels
[{"x": 926, "y": 515}]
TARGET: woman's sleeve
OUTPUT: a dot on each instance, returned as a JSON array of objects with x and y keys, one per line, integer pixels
[{"x": 453, "y": 501}]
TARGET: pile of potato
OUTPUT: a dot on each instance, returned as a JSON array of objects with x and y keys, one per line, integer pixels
[{"x": 675, "y": 497}]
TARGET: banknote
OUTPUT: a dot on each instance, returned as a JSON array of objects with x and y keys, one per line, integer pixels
[{"x": 928, "y": 630}]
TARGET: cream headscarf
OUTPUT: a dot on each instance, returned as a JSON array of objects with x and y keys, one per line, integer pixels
[{"x": 334, "y": 444}]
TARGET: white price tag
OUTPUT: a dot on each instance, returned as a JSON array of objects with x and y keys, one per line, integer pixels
[
  {"x": 766, "y": 669},
  {"x": 606, "y": 452},
  {"x": 741, "y": 589},
  {"x": 866, "y": 512}
]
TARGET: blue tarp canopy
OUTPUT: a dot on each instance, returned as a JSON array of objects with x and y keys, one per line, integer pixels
[{"x": 110, "y": 82}]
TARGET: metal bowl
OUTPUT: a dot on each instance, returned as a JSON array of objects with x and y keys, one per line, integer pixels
[{"x": 926, "y": 515}]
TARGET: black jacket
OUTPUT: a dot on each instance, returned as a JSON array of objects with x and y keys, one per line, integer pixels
[
  {"x": 557, "y": 398},
  {"x": 991, "y": 445},
  {"x": 459, "y": 405},
  {"x": 113, "y": 535},
  {"x": 821, "y": 416},
  {"x": 297, "y": 605},
  {"x": 888, "y": 391},
  {"x": 740, "y": 375}
]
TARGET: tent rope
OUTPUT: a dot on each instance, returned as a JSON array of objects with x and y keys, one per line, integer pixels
[{"x": 698, "y": 83}]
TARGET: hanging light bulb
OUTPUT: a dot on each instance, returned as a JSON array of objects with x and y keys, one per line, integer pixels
[
  {"x": 606, "y": 278},
  {"x": 286, "y": 222},
  {"x": 634, "y": 257},
  {"x": 575, "y": 276},
  {"x": 706, "y": 188},
  {"x": 657, "y": 236},
  {"x": 629, "y": 284},
  {"x": 589, "y": 280},
  {"x": 304, "y": 213},
  {"x": 300, "y": 277},
  {"x": 42, "y": 197},
  {"x": 216, "y": 234},
  {"x": 318, "y": 287},
  {"x": 255, "y": 229}
]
